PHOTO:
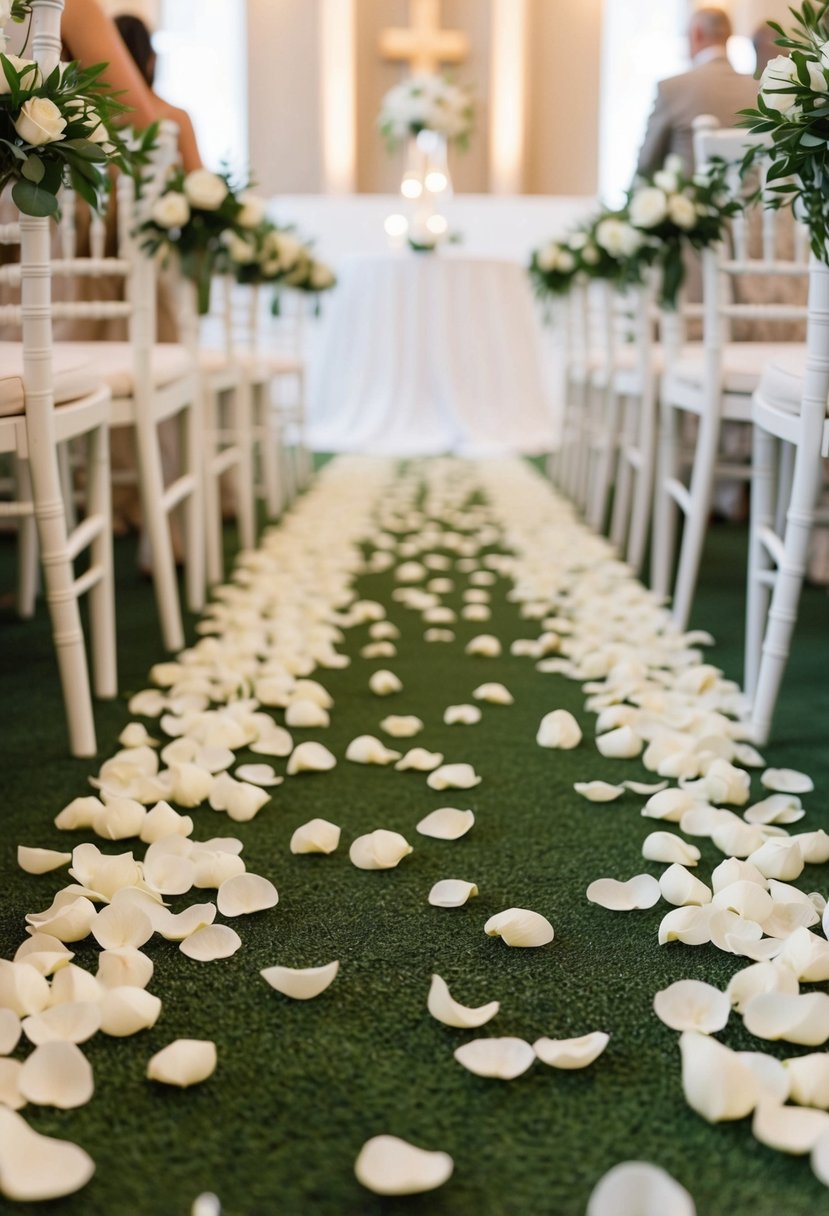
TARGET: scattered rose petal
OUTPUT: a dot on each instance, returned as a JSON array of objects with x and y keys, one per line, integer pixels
[
  {"x": 366, "y": 749},
  {"x": 520, "y": 927},
  {"x": 559, "y": 729},
  {"x": 461, "y": 715},
  {"x": 379, "y": 850},
  {"x": 809, "y": 1079},
  {"x": 717, "y": 1084},
  {"x": 9, "y": 1031},
  {"x": 485, "y": 646},
  {"x": 41, "y": 861},
  {"x": 451, "y": 893},
  {"x": 389, "y": 1166},
  {"x": 127, "y": 968},
  {"x": 641, "y": 891},
  {"x": 453, "y": 777},
  {"x": 246, "y": 893},
  {"x": 504, "y": 1059},
  {"x": 666, "y": 847},
  {"x": 637, "y": 1188},
  {"x": 571, "y": 1053},
  {"x": 10, "y": 1095},
  {"x": 493, "y": 694},
  {"x": 70, "y": 1022},
  {"x": 211, "y": 943},
  {"x": 420, "y": 760},
  {"x": 258, "y": 774},
  {"x": 315, "y": 836},
  {"x": 760, "y": 977},
  {"x": 126, "y": 1010},
  {"x": 800, "y": 1019},
  {"x": 306, "y": 714},
  {"x": 442, "y": 1007},
  {"x": 184, "y": 1062},
  {"x": 310, "y": 758},
  {"x": 402, "y": 726},
  {"x": 679, "y": 888},
  {"x": 384, "y": 683},
  {"x": 57, "y": 1074},
  {"x": 35, "y": 1167},
  {"x": 622, "y": 743},
  {"x": 692, "y": 1005},
  {"x": 599, "y": 791},
  {"x": 301, "y": 983},
  {"x": 787, "y": 781},
  {"x": 447, "y": 823},
  {"x": 789, "y": 1129}
]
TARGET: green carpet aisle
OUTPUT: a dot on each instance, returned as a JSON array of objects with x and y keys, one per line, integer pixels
[{"x": 300, "y": 1086}]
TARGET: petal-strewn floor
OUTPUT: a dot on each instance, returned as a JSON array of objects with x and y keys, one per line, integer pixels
[{"x": 301, "y": 1085}]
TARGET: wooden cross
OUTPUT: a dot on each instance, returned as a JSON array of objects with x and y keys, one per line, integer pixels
[{"x": 425, "y": 45}]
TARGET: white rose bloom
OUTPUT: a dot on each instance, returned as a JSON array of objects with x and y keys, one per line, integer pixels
[
  {"x": 817, "y": 77},
  {"x": 674, "y": 164},
  {"x": 666, "y": 181},
  {"x": 39, "y": 122},
  {"x": 171, "y": 210},
  {"x": 682, "y": 211},
  {"x": 205, "y": 190},
  {"x": 578, "y": 240},
  {"x": 617, "y": 237},
  {"x": 590, "y": 255},
  {"x": 30, "y": 80},
  {"x": 290, "y": 250},
  {"x": 321, "y": 277},
  {"x": 547, "y": 258},
  {"x": 241, "y": 251},
  {"x": 648, "y": 207},
  {"x": 566, "y": 261},
  {"x": 253, "y": 210},
  {"x": 778, "y": 74}
]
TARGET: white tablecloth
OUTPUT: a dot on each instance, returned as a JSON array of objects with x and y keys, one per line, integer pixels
[{"x": 429, "y": 353}]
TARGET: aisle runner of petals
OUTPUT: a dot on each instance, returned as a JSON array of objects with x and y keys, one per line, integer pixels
[{"x": 262, "y": 641}]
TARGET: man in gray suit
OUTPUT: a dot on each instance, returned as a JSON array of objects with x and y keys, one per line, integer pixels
[{"x": 710, "y": 87}]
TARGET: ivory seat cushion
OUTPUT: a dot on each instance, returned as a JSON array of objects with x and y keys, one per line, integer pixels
[
  {"x": 743, "y": 363},
  {"x": 113, "y": 362},
  {"x": 781, "y": 385},
  {"x": 76, "y": 375}
]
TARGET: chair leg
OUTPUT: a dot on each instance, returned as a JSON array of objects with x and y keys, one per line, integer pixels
[
  {"x": 193, "y": 506},
  {"x": 696, "y": 523},
  {"x": 27, "y": 553},
  {"x": 642, "y": 508},
  {"x": 212, "y": 489},
  {"x": 787, "y": 587},
  {"x": 245, "y": 491},
  {"x": 266, "y": 424},
  {"x": 664, "y": 507},
  {"x": 157, "y": 525},
  {"x": 760, "y": 565},
  {"x": 606, "y": 433},
  {"x": 102, "y": 593},
  {"x": 620, "y": 515}
]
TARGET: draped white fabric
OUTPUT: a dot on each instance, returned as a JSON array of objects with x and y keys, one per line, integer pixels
[{"x": 429, "y": 353}]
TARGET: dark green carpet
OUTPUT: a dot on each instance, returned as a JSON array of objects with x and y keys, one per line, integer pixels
[{"x": 300, "y": 1086}]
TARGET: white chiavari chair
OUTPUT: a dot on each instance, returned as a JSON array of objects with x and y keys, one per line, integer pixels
[
  {"x": 47, "y": 399},
  {"x": 789, "y": 413},
  {"x": 714, "y": 380},
  {"x": 150, "y": 382}
]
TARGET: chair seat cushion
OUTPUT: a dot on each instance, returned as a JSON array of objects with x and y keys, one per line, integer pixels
[
  {"x": 781, "y": 385},
  {"x": 114, "y": 363},
  {"x": 743, "y": 364},
  {"x": 75, "y": 374}
]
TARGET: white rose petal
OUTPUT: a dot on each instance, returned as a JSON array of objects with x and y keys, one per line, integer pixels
[
  {"x": 691, "y": 925},
  {"x": 800, "y": 1019},
  {"x": 493, "y": 694},
  {"x": 622, "y": 743},
  {"x": 246, "y": 893},
  {"x": 73, "y": 984},
  {"x": 789, "y": 1129},
  {"x": 22, "y": 988},
  {"x": 211, "y": 943},
  {"x": 184, "y": 1062},
  {"x": 442, "y": 1007},
  {"x": 717, "y": 1084},
  {"x": 520, "y": 927},
  {"x": 778, "y": 858},
  {"x": 301, "y": 983},
  {"x": 35, "y": 1167},
  {"x": 306, "y": 714},
  {"x": 637, "y": 1188},
  {"x": 384, "y": 683},
  {"x": 315, "y": 836},
  {"x": 787, "y": 781},
  {"x": 163, "y": 821},
  {"x": 461, "y": 715},
  {"x": 310, "y": 758},
  {"x": 599, "y": 791},
  {"x": 366, "y": 749},
  {"x": 127, "y": 968},
  {"x": 389, "y": 1166},
  {"x": 10, "y": 1095},
  {"x": 402, "y": 726},
  {"x": 571, "y": 1053},
  {"x": 379, "y": 850},
  {"x": 453, "y": 777},
  {"x": 9, "y": 1031},
  {"x": 205, "y": 190},
  {"x": 641, "y": 891},
  {"x": 678, "y": 887},
  {"x": 57, "y": 1074},
  {"x": 121, "y": 925},
  {"x": 41, "y": 861},
  {"x": 485, "y": 646},
  {"x": 504, "y": 1059},
  {"x": 559, "y": 729},
  {"x": 692, "y": 1005},
  {"x": 809, "y": 1079},
  {"x": 451, "y": 893},
  {"x": 760, "y": 977},
  {"x": 127, "y": 1010},
  {"x": 72, "y": 1022},
  {"x": 448, "y": 823},
  {"x": 666, "y": 847},
  {"x": 777, "y": 808},
  {"x": 420, "y": 760},
  {"x": 257, "y": 774}
]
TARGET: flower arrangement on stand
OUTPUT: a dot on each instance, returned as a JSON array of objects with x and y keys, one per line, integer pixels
[
  {"x": 195, "y": 217},
  {"x": 793, "y": 108},
  {"x": 58, "y": 130},
  {"x": 430, "y": 113}
]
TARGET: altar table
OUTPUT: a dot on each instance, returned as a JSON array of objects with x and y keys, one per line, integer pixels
[{"x": 427, "y": 353}]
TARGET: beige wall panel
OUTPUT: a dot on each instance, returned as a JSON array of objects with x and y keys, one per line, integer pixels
[
  {"x": 283, "y": 94},
  {"x": 377, "y": 171},
  {"x": 563, "y": 114}
]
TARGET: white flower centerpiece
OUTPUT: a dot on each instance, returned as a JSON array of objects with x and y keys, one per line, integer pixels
[{"x": 429, "y": 113}]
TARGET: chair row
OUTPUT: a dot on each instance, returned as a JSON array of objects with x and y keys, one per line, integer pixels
[
  {"x": 650, "y": 416},
  {"x": 228, "y": 406}
]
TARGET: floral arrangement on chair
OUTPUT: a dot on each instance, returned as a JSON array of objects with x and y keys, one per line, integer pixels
[
  {"x": 195, "y": 217},
  {"x": 793, "y": 108},
  {"x": 273, "y": 255},
  {"x": 597, "y": 249},
  {"x": 427, "y": 103},
  {"x": 58, "y": 130}
]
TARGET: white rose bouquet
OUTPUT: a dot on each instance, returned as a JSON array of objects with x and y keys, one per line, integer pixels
[
  {"x": 59, "y": 130},
  {"x": 196, "y": 216},
  {"x": 266, "y": 253},
  {"x": 670, "y": 212},
  {"x": 427, "y": 103},
  {"x": 599, "y": 249},
  {"x": 793, "y": 108}
]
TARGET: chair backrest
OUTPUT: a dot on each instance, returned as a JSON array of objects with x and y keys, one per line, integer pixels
[{"x": 760, "y": 277}]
